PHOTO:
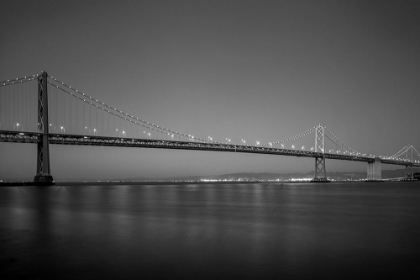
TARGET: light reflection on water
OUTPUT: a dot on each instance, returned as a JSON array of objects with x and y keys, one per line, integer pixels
[{"x": 210, "y": 231}]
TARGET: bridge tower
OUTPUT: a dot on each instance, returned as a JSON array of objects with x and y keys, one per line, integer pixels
[
  {"x": 43, "y": 171},
  {"x": 320, "y": 171},
  {"x": 409, "y": 155}
]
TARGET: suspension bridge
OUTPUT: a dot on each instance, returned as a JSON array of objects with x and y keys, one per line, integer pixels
[{"x": 42, "y": 110}]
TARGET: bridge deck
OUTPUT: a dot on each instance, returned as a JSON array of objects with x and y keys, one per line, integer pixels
[{"x": 67, "y": 139}]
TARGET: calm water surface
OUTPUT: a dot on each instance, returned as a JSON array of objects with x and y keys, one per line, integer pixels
[{"x": 253, "y": 231}]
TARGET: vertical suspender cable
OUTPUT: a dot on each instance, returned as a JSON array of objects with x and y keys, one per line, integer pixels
[
  {"x": 21, "y": 104},
  {"x": 11, "y": 111},
  {"x": 49, "y": 87},
  {"x": 77, "y": 116},
  {"x": 33, "y": 103},
  {"x": 17, "y": 95},
  {"x": 71, "y": 111},
  {"x": 7, "y": 107},
  {"x": 13, "y": 107},
  {"x": 70, "y": 101},
  {"x": 71, "y": 123},
  {"x": 83, "y": 116},
  {"x": 26, "y": 107},
  {"x": 59, "y": 109},
  {"x": 29, "y": 112},
  {"x": 64, "y": 110},
  {"x": 14, "y": 110},
  {"x": 1, "y": 108},
  {"x": 2, "y": 104},
  {"x": 18, "y": 107},
  {"x": 13, "y": 97},
  {"x": 66, "y": 117},
  {"x": 32, "y": 107},
  {"x": 56, "y": 109}
]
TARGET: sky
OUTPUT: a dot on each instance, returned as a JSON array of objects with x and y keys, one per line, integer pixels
[{"x": 253, "y": 70}]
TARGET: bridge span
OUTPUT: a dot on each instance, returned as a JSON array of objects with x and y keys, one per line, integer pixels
[
  {"x": 67, "y": 139},
  {"x": 70, "y": 115}
]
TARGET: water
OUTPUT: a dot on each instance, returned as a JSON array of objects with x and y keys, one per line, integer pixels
[{"x": 230, "y": 231}]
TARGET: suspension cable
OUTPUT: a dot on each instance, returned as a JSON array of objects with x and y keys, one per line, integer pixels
[
  {"x": 123, "y": 116},
  {"x": 309, "y": 131},
  {"x": 348, "y": 147},
  {"x": 155, "y": 127}
]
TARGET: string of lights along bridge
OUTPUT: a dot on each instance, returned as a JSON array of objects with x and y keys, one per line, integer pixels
[{"x": 43, "y": 110}]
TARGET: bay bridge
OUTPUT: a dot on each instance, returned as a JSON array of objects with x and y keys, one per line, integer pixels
[{"x": 42, "y": 110}]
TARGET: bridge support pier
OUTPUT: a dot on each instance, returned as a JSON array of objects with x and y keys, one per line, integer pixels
[
  {"x": 374, "y": 171},
  {"x": 409, "y": 172},
  {"x": 43, "y": 173},
  {"x": 320, "y": 171}
]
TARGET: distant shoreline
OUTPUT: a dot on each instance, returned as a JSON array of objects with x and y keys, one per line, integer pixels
[{"x": 22, "y": 184}]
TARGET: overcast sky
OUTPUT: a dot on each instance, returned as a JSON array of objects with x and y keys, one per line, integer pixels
[{"x": 254, "y": 70}]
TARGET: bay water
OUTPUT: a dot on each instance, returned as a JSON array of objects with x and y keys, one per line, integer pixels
[{"x": 211, "y": 231}]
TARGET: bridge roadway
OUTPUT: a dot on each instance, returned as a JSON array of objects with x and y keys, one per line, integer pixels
[{"x": 69, "y": 139}]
